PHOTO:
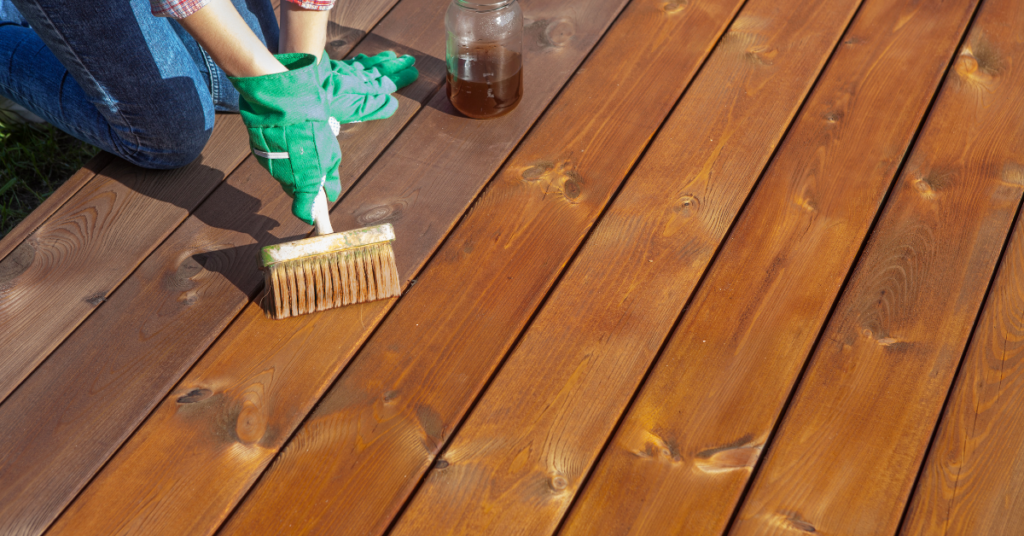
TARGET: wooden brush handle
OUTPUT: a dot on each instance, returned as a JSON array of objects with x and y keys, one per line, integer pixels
[{"x": 321, "y": 215}]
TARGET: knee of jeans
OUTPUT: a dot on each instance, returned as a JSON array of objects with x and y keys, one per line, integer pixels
[{"x": 173, "y": 149}]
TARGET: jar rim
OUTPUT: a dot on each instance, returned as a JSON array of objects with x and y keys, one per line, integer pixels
[{"x": 483, "y": 4}]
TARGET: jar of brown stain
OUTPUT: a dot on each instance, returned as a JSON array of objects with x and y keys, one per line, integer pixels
[{"x": 484, "y": 56}]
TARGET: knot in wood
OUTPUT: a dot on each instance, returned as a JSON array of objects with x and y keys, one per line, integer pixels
[
  {"x": 181, "y": 279},
  {"x": 96, "y": 299},
  {"x": 379, "y": 214},
  {"x": 536, "y": 171},
  {"x": 922, "y": 186},
  {"x": 558, "y": 483},
  {"x": 966, "y": 65},
  {"x": 251, "y": 424},
  {"x": 762, "y": 54},
  {"x": 551, "y": 33},
  {"x": 559, "y": 32},
  {"x": 441, "y": 463},
  {"x": 796, "y": 521},
  {"x": 195, "y": 395},
  {"x": 675, "y": 6},
  {"x": 572, "y": 187},
  {"x": 978, "y": 64},
  {"x": 833, "y": 117},
  {"x": 688, "y": 206}
]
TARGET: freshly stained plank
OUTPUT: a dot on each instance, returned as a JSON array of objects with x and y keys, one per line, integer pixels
[
  {"x": 69, "y": 266},
  {"x": 973, "y": 481},
  {"x": 854, "y": 436},
  {"x": 223, "y": 424},
  {"x": 685, "y": 451},
  {"x": 16, "y": 236},
  {"x": 524, "y": 451},
  {"x": 508, "y": 250},
  {"x": 76, "y": 409}
]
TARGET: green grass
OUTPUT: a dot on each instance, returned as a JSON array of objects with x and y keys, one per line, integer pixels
[{"x": 34, "y": 161}]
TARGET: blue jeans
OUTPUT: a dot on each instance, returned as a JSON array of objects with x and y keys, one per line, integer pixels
[{"x": 111, "y": 74}]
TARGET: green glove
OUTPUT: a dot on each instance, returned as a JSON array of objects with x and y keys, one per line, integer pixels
[
  {"x": 398, "y": 68},
  {"x": 289, "y": 130},
  {"x": 358, "y": 94}
]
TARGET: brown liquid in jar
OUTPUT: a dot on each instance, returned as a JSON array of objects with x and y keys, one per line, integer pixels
[{"x": 491, "y": 81}]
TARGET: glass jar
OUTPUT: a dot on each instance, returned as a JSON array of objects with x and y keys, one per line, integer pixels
[{"x": 484, "y": 54}]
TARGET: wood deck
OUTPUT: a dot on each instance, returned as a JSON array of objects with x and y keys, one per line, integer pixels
[{"x": 732, "y": 266}]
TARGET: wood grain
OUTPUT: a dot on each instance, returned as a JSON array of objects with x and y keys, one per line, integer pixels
[
  {"x": 973, "y": 480},
  {"x": 75, "y": 410},
  {"x": 523, "y": 452},
  {"x": 16, "y": 236},
  {"x": 685, "y": 451},
  {"x": 854, "y": 436},
  {"x": 509, "y": 249},
  {"x": 224, "y": 422},
  {"x": 72, "y": 263}
]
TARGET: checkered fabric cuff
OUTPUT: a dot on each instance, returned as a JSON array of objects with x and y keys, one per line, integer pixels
[
  {"x": 176, "y": 9},
  {"x": 315, "y": 5}
]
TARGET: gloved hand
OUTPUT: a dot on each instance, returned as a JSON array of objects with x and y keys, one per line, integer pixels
[
  {"x": 289, "y": 130},
  {"x": 359, "y": 94},
  {"x": 398, "y": 68}
]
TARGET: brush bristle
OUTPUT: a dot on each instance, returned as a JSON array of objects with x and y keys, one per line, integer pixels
[{"x": 331, "y": 280}]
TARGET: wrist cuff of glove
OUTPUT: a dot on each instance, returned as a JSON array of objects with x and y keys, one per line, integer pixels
[{"x": 275, "y": 99}]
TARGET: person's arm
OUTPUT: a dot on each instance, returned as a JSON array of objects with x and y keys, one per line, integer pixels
[
  {"x": 220, "y": 30},
  {"x": 303, "y": 30}
]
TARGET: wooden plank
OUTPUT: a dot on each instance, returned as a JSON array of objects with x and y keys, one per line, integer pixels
[
  {"x": 525, "y": 450},
  {"x": 121, "y": 362},
  {"x": 72, "y": 263},
  {"x": 973, "y": 479},
  {"x": 549, "y": 194},
  {"x": 686, "y": 449},
  {"x": 853, "y": 438},
  {"x": 192, "y": 428},
  {"x": 51, "y": 204}
]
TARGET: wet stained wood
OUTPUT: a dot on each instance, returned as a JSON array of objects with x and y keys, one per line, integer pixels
[
  {"x": 973, "y": 480},
  {"x": 685, "y": 451},
  {"x": 522, "y": 454},
  {"x": 853, "y": 439},
  {"x": 71, "y": 264},
  {"x": 225, "y": 420},
  {"x": 509, "y": 249},
  {"x": 16, "y": 236},
  {"x": 76, "y": 409}
]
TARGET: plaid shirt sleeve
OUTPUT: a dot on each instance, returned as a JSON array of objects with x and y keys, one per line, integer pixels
[
  {"x": 315, "y": 5},
  {"x": 179, "y": 9},
  {"x": 176, "y": 9}
]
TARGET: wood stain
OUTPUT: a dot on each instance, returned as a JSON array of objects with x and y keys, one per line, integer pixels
[{"x": 489, "y": 81}]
